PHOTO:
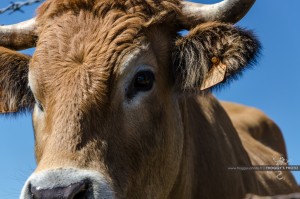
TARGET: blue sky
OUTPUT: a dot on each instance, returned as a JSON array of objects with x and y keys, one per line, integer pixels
[{"x": 272, "y": 86}]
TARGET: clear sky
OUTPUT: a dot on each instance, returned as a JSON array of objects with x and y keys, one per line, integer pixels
[{"x": 272, "y": 86}]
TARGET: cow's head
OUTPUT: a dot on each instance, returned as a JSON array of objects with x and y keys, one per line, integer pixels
[{"x": 105, "y": 84}]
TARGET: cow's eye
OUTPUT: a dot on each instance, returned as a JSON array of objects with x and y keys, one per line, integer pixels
[{"x": 142, "y": 82}]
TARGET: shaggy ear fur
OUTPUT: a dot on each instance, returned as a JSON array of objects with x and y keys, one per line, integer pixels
[
  {"x": 210, "y": 45},
  {"x": 15, "y": 94}
]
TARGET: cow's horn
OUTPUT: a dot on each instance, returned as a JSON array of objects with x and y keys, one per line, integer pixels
[
  {"x": 230, "y": 11},
  {"x": 18, "y": 36}
]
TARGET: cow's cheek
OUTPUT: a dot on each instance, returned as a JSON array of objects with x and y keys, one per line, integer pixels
[{"x": 175, "y": 139}]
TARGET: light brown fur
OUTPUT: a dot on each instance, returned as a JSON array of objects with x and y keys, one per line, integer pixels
[
  {"x": 167, "y": 143},
  {"x": 14, "y": 94}
]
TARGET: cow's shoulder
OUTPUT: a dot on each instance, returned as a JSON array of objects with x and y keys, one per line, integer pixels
[
  {"x": 254, "y": 122},
  {"x": 264, "y": 143}
]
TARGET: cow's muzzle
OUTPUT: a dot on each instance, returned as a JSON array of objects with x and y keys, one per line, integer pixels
[{"x": 67, "y": 184}]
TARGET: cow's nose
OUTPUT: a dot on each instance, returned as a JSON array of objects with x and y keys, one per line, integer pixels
[
  {"x": 73, "y": 191},
  {"x": 67, "y": 183}
]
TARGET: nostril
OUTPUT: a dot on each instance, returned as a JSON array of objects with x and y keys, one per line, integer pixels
[
  {"x": 73, "y": 191},
  {"x": 81, "y": 195},
  {"x": 81, "y": 192}
]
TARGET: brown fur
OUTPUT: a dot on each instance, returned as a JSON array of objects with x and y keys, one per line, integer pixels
[
  {"x": 259, "y": 133},
  {"x": 14, "y": 93},
  {"x": 164, "y": 144},
  {"x": 260, "y": 127},
  {"x": 148, "y": 11}
]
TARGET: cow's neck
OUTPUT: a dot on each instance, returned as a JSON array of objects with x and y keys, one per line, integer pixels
[{"x": 211, "y": 145}]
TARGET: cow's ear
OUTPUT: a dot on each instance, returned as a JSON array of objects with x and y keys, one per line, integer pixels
[
  {"x": 15, "y": 94},
  {"x": 212, "y": 53}
]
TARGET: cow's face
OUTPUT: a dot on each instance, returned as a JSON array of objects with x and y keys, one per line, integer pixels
[
  {"x": 108, "y": 80},
  {"x": 105, "y": 103}
]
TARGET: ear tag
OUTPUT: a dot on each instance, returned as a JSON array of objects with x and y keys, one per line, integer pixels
[{"x": 215, "y": 75}]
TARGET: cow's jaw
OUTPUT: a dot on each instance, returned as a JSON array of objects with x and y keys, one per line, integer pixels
[{"x": 67, "y": 183}]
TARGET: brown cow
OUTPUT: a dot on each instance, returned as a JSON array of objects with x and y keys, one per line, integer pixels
[{"x": 120, "y": 101}]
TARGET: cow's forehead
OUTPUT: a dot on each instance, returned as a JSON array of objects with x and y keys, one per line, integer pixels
[
  {"x": 78, "y": 55},
  {"x": 149, "y": 10},
  {"x": 93, "y": 33}
]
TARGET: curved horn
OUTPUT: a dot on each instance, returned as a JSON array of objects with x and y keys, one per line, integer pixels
[
  {"x": 230, "y": 11},
  {"x": 18, "y": 36}
]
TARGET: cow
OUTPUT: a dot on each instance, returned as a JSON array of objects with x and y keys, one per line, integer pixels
[{"x": 121, "y": 102}]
